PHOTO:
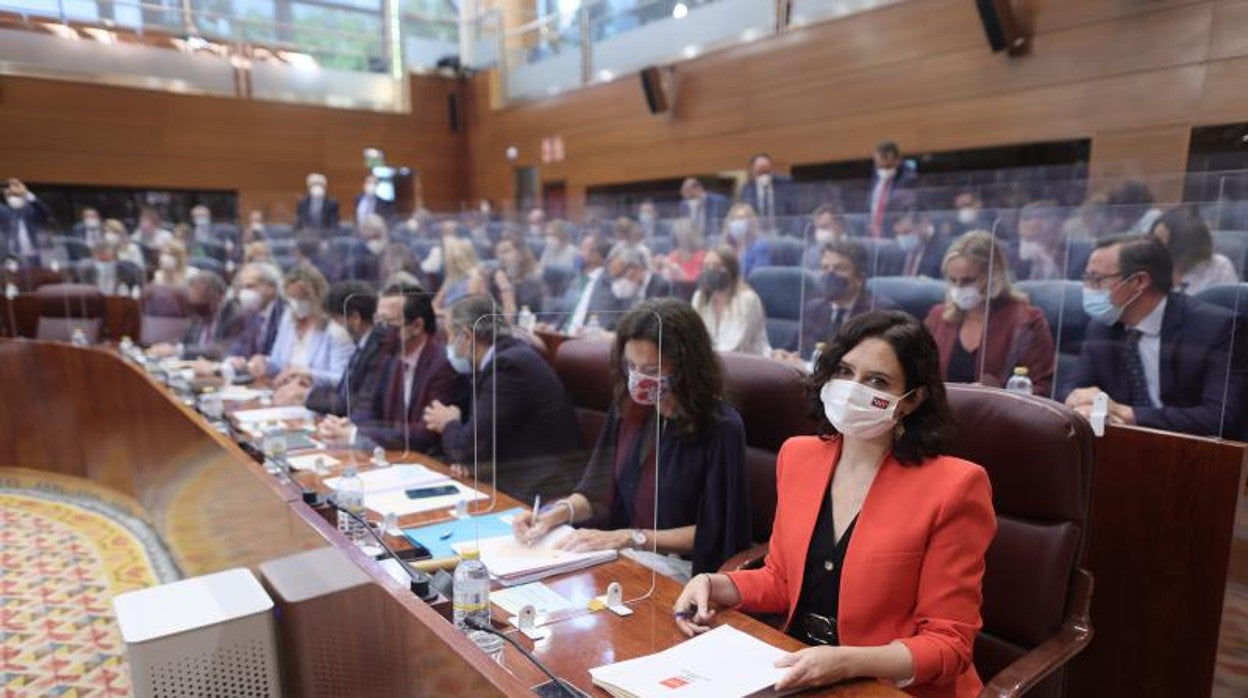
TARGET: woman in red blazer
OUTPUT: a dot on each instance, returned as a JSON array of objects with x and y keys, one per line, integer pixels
[
  {"x": 985, "y": 329},
  {"x": 877, "y": 553}
]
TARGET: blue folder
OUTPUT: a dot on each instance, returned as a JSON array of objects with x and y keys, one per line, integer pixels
[{"x": 461, "y": 530}]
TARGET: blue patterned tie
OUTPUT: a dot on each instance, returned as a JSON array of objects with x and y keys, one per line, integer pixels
[{"x": 1136, "y": 378}]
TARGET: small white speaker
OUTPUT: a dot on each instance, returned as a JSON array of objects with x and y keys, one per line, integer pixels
[{"x": 206, "y": 636}]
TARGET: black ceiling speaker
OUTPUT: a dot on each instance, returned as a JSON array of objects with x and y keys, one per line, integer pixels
[
  {"x": 652, "y": 85},
  {"x": 1001, "y": 25}
]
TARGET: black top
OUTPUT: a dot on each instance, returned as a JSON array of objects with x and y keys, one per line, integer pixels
[
  {"x": 961, "y": 364},
  {"x": 821, "y": 580}
]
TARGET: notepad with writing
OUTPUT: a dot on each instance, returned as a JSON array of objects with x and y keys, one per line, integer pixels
[
  {"x": 513, "y": 562},
  {"x": 697, "y": 668}
]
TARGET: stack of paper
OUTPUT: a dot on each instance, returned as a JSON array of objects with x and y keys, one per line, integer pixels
[
  {"x": 696, "y": 669},
  {"x": 385, "y": 490},
  {"x": 513, "y": 562}
]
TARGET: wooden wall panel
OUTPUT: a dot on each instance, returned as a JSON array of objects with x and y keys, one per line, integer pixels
[
  {"x": 918, "y": 72},
  {"x": 66, "y": 132}
]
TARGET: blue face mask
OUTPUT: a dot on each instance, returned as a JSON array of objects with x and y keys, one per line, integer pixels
[
  {"x": 1098, "y": 306},
  {"x": 461, "y": 365}
]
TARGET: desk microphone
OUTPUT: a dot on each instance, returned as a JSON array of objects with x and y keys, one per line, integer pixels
[
  {"x": 555, "y": 681},
  {"x": 419, "y": 581}
]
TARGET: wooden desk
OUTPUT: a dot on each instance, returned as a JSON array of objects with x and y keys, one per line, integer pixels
[
  {"x": 585, "y": 640},
  {"x": 122, "y": 317}
]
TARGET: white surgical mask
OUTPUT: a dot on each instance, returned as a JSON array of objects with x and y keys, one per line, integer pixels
[
  {"x": 968, "y": 215},
  {"x": 461, "y": 364},
  {"x": 376, "y": 246},
  {"x": 201, "y": 219},
  {"x": 15, "y": 202},
  {"x": 738, "y": 227},
  {"x": 301, "y": 308},
  {"x": 858, "y": 411},
  {"x": 1030, "y": 250},
  {"x": 317, "y": 191},
  {"x": 908, "y": 241},
  {"x": 168, "y": 262},
  {"x": 764, "y": 180},
  {"x": 966, "y": 297},
  {"x": 886, "y": 172},
  {"x": 824, "y": 235},
  {"x": 249, "y": 300},
  {"x": 112, "y": 238},
  {"x": 624, "y": 288},
  {"x": 91, "y": 223}
]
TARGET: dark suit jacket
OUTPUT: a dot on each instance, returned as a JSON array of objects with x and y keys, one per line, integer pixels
[
  {"x": 899, "y": 196},
  {"x": 34, "y": 213},
  {"x": 714, "y": 208},
  {"x": 1204, "y": 369},
  {"x": 252, "y": 340},
  {"x": 927, "y": 259},
  {"x": 817, "y": 317},
  {"x": 229, "y": 325},
  {"x": 382, "y": 420},
  {"x": 360, "y": 382},
  {"x": 1074, "y": 259},
  {"x": 328, "y": 220},
  {"x": 784, "y": 198},
  {"x": 1017, "y": 335},
  {"x": 610, "y": 309},
  {"x": 539, "y": 446}
]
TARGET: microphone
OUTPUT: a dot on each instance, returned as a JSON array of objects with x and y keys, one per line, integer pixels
[
  {"x": 418, "y": 581},
  {"x": 563, "y": 688}
]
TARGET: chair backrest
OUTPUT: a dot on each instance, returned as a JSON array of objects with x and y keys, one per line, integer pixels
[
  {"x": 783, "y": 290},
  {"x": 154, "y": 329},
  {"x": 884, "y": 256},
  {"x": 658, "y": 245},
  {"x": 1062, "y": 304},
  {"x": 1233, "y": 297},
  {"x": 1233, "y": 244},
  {"x": 914, "y": 294},
  {"x": 785, "y": 251},
  {"x": 1039, "y": 458},
  {"x": 164, "y": 301},
  {"x": 278, "y": 231},
  {"x": 66, "y": 307},
  {"x": 341, "y": 247}
]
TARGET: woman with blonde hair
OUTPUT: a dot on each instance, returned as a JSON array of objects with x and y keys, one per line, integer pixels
[
  {"x": 307, "y": 343},
  {"x": 985, "y": 329},
  {"x": 462, "y": 274},
  {"x": 171, "y": 269},
  {"x": 730, "y": 309}
]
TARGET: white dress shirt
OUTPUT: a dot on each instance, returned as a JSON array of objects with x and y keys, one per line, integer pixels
[
  {"x": 1214, "y": 271},
  {"x": 741, "y": 327},
  {"x": 1150, "y": 350}
]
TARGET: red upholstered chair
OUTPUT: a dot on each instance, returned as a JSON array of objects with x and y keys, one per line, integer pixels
[
  {"x": 583, "y": 366},
  {"x": 64, "y": 308},
  {"x": 164, "y": 315},
  {"x": 1039, "y": 457}
]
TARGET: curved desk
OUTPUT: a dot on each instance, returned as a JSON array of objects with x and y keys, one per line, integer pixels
[{"x": 89, "y": 413}]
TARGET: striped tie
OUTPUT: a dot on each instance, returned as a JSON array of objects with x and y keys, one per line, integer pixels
[{"x": 1136, "y": 378}]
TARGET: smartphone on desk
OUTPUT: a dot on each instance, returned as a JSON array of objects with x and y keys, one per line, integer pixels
[{"x": 433, "y": 491}]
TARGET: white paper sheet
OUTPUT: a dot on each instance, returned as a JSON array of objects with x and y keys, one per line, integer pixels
[{"x": 274, "y": 414}]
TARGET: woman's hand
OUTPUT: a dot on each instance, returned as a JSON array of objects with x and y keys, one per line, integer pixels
[
  {"x": 586, "y": 539},
  {"x": 693, "y": 606},
  {"x": 816, "y": 666},
  {"x": 257, "y": 366}
]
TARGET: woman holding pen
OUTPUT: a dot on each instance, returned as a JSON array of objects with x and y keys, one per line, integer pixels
[{"x": 668, "y": 404}]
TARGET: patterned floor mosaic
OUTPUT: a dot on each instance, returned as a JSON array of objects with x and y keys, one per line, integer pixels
[{"x": 66, "y": 548}]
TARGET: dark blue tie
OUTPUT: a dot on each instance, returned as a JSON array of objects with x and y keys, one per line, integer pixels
[{"x": 1136, "y": 378}]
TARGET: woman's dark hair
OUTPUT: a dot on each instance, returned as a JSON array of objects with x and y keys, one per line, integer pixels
[
  {"x": 1190, "y": 241},
  {"x": 698, "y": 380},
  {"x": 929, "y": 430}
]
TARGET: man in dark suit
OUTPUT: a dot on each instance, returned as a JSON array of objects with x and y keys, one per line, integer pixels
[
  {"x": 890, "y": 187},
  {"x": 523, "y": 433},
  {"x": 706, "y": 210},
  {"x": 367, "y": 203},
  {"x": 90, "y": 229},
  {"x": 262, "y": 307},
  {"x": 414, "y": 374},
  {"x": 924, "y": 246},
  {"x": 626, "y": 282},
  {"x": 1042, "y": 253},
  {"x": 773, "y": 197},
  {"x": 1165, "y": 360},
  {"x": 317, "y": 211},
  {"x": 22, "y": 219},
  {"x": 215, "y": 322}
]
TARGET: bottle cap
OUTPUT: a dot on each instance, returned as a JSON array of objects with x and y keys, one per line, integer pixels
[
  {"x": 470, "y": 554},
  {"x": 821, "y": 346},
  {"x": 1020, "y": 370}
]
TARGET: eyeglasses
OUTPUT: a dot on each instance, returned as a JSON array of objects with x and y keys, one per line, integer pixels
[
  {"x": 820, "y": 630},
  {"x": 1095, "y": 280}
]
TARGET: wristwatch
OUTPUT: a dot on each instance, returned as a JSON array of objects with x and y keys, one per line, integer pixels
[{"x": 638, "y": 538}]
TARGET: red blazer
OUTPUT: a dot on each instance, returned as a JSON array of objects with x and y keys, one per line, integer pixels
[
  {"x": 1018, "y": 335},
  {"x": 913, "y": 568}
]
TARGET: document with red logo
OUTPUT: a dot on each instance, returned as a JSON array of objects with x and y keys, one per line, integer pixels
[{"x": 696, "y": 669}]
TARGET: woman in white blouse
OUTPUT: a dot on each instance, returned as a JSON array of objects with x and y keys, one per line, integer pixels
[
  {"x": 306, "y": 343},
  {"x": 731, "y": 310},
  {"x": 1196, "y": 265}
]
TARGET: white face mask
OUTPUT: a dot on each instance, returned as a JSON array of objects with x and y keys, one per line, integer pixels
[
  {"x": 168, "y": 262},
  {"x": 908, "y": 241},
  {"x": 15, "y": 202},
  {"x": 886, "y": 172},
  {"x": 112, "y": 238},
  {"x": 968, "y": 215},
  {"x": 858, "y": 411},
  {"x": 966, "y": 297},
  {"x": 201, "y": 220},
  {"x": 249, "y": 300},
  {"x": 1030, "y": 250},
  {"x": 376, "y": 246},
  {"x": 824, "y": 235},
  {"x": 317, "y": 191},
  {"x": 300, "y": 308},
  {"x": 738, "y": 227},
  {"x": 764, "y": 180},
  {"x": 91, "y": 223},
  {"x": 624, "y": 288}
]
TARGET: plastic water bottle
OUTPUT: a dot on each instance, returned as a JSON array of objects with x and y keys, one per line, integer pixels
[
  {"x": 349, "y": 493},
  {"x": 78, "y": 338},
  {"x": 594, "y": 327},
  {"x": 379, "y": 457},
  {"x": 227, "y": 373},
  {"x": 526, "y": 319},
  {"x": 815, "y": 354},
  {"x": 123, "y": 290},
  {"x": 472, "y": 590},
  {"x": 1019, "y": 382},
  {"x": 10, "y": 290}
]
